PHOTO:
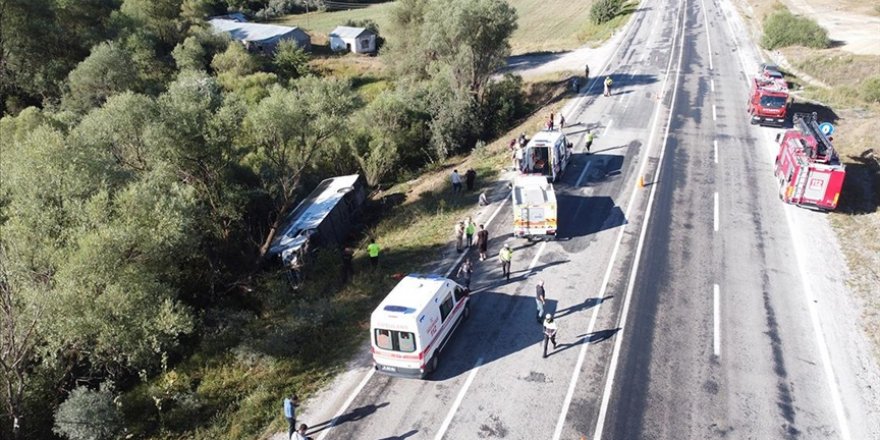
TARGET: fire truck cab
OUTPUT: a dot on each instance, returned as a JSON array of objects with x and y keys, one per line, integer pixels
[
  {"x": 768, "y": 100},
  {"x": 807, "y": 167}
]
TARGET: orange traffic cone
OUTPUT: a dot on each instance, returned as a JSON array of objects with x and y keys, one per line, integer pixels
[{"x": 641, "y": 181}]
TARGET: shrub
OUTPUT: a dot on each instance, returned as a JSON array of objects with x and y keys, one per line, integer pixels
[
  {"x": 290, "y": 60},
  {"x": 89, "y": 415},
  {"x": 783, "y": 29},
  {"x": 604, "y": 10},
  {"x": 870, "y": 89}
]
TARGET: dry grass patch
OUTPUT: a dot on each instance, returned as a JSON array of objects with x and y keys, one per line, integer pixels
[{"x": 833, "y": 67}]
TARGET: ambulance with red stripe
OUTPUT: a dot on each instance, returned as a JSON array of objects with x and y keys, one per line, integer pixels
[{"x": 409, "y": 329}]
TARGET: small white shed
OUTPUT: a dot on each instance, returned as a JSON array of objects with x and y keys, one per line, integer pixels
[{"x": 352, "y": 39}]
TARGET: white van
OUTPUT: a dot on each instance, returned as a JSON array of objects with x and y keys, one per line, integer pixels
[
  {"x": 413, "y": 323},
  {"x": 547, "y": 154}
]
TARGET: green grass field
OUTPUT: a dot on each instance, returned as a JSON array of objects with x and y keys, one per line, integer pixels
[{"x": 544, "y": 25}]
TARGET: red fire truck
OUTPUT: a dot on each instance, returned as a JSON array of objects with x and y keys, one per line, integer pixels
[
  {"x": 768, "y": 100},
  {"x": 808, "y": 169}
]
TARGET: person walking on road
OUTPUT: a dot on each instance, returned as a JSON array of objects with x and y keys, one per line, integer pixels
[
  {"x": 550, "y": 121},
  {"x": 608, "y": 83},
  {"x": 290, "y": 403},
  {"x": 586, "y": 72},
  {"x": 456, "y": 182},
  {"x": 459, "y": 236},
  {"x": 561, "y": 122},
  {"x": 482, "y": 242},
  {"x": 373, "y": 251},
  {"x": 550, "y": 330},
  {"x": 464, "y": 273},
  {"x": 589, "y": 140},
  {"x": 540, "y": 300},
  {"x": 469, "y": 229},
  {"x": 505, "y": 256}
]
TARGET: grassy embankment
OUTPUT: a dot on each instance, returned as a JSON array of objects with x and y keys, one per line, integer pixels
[
  {"x": 853, "y": 96},
  {"x": 544, "y": 25}
]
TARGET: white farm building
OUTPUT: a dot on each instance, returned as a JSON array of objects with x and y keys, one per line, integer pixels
[
  {"x": 352, "y": 39},
  {"x": 258, "y": 37}
]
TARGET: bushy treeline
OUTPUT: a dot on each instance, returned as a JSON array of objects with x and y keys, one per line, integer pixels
[
  {"x": 783, "y": 29},
  {"x": 146, "y": 163}
]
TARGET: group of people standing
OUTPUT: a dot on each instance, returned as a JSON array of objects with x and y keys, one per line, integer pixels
[{"x": 470, "y": 179}]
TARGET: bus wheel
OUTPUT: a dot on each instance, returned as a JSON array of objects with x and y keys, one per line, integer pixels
[
  {"x": 467, "y": 311},
  {"x": 435, "y": 361}
]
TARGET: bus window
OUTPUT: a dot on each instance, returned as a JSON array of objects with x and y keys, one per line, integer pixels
[
  {"x": 383, "y": 339},
  {"x": 460, "y": 294},
  {"x": 407, "y": 342}
]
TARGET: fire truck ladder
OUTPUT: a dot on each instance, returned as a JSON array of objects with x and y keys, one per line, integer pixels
[{"x": 808, "y": 125}]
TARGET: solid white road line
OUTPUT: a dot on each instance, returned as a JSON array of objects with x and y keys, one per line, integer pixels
[
  {"x": 610, "y": 121},
  {"x": 458, "y": 400},
  {"x": 712, "y": 85},
  {"x": 715, "y": 221},
  {"x": 715, "y": 149},
  {"x": 618, "y": 341},
  {"x": 566, "y": 404},
  {"x": 583, "y": 173},
  {"x": 717, "y": 319},
  {"x": 708, "y": 40},
  {"x": 714, "y": 113},
  {"x": 817, "y": 328},
  {"x": 347, "y": 403},
  {"x": 537, "y": 255}
]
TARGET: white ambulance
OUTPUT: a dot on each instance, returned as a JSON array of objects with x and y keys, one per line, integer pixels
[{"x": 413, "y": 323}]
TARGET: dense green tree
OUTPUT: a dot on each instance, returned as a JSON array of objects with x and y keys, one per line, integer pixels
[
  {"x": 89, "y": 415},
  {"x": 390, "y": 131},
  {"x": 41, "y": 41},
  {"x": 290, "y": 60},
  {"x": 288, "y": 129},
  {"x": 107, "y": 71}
]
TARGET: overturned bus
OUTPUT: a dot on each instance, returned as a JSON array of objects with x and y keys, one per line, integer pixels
[{"x": 323, "y": 219}]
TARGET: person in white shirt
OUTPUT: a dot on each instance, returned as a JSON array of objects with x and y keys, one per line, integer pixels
[
  {"x": 456, "y": 182},
  {"x": 550, "y": 331}
]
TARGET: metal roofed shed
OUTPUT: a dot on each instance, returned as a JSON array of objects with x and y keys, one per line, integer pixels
[
  {"x": 324, "y": 218},
  {"x": 260, "y": 37},
  {"x": 352, "y": 39}
]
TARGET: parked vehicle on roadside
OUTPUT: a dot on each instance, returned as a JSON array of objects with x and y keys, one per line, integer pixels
[
  {"x": 768, "y": 100},
  {"x": 807, "y": 166},
  {"x": 411, "y": 326},
  {"x": 534, "y": 208},
  {"x": 547, "y": 154}
]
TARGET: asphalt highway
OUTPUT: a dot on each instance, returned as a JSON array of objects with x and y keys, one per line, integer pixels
[{"x": 677, "y": 302}]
